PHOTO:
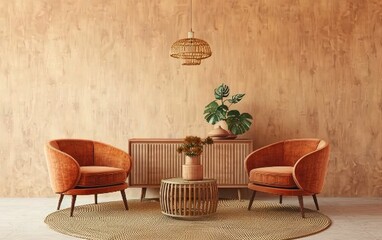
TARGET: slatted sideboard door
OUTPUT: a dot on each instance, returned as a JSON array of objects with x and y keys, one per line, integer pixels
[{"x": 157, "y": 159}]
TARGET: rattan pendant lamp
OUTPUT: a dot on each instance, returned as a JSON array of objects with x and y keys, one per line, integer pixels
[{"x": 191, "y": 50}]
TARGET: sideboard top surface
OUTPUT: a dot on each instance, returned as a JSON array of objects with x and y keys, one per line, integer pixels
[{"x": 176, "y": 140}]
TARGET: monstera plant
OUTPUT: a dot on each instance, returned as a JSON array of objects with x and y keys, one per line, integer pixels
[{"x": 219, "y": 110}]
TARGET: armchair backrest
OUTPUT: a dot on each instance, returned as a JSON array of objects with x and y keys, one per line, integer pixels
[
  {"x": 81, "y": 150},
  {"x": 310, "y": 170},
  {"x": 64, "y": 170},
  {"x": 294, "y": 149},
  {"x": 283, "y": 153}
]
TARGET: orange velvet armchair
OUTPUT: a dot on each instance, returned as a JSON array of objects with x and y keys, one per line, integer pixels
[
  {"x": 295, "y": 167},
  {"x": 85, "y": 167}
]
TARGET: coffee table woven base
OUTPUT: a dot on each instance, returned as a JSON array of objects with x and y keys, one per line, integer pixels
[{"x": 188, "y": 199}]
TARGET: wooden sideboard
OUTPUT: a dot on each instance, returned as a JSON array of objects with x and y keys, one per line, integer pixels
[{"x": 157, "y": 159}]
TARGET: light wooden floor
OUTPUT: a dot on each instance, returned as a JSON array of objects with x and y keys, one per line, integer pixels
[{"x": 353, "y": 218}]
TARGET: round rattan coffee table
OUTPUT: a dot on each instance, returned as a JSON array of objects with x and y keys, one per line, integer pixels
[{"x": 188, "y": 199}]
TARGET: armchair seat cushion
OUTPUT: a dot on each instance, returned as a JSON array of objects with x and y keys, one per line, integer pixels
[
  {"x": 101, "y": 176},
  {"x": 278, "y": 176}
]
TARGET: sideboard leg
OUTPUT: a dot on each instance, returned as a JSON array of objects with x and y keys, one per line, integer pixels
[
  {"x": 239, "y": 194},
  {"x": 143, "y": 193}
]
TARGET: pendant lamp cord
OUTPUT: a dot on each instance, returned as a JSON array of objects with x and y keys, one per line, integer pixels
[{"x": 191, "y": 15}]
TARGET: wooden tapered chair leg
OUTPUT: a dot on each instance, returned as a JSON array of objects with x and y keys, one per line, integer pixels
[
  {"x": 60, "y": 201},
  {"x": 281, "y": 199},
  {"x": 95, "y": 199},
  {"x": 72, "y": 205},
  {"x": 315, "y": 201},
  {"x": 143, "y": 193},
  {"x": 124, "y": 199},
  {"x": 301, "y": 202},
  {"x": 251, "y": 200}
]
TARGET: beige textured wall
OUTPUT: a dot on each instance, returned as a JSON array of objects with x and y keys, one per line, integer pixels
[{"x": 101, "y": 70}]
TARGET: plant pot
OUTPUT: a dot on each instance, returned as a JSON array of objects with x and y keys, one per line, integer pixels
[
  {"x": 222, "y": 126},
  {"x": 192, "y": 169},
  {"x": 218, "y": 133}
]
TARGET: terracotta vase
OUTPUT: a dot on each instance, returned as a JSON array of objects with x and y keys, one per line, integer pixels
[
  {"x": 220, "y": 127},
  {"x": 218, "y": 133},
  {"x": 223, "y": 124},
  {"x": 192, "y": 169}
]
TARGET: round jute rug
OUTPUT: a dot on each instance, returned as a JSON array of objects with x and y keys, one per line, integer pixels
[{"x": 144, "y": 220}]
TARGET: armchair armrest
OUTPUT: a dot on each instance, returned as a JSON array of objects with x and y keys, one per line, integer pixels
[
  {"x": 106, "y": 155},
  {"x": 64, "y": 171},
  {"x": 270, "y": 155},
  {"x": 310, "y": 170}
]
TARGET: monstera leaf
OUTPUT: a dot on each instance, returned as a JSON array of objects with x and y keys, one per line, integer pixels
[
  {"x": 214, "y": 112},
  {"x": 236, "y": 98},
  {"x": 221, "y": 92},
  {"x": 238, "y": 123}
]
